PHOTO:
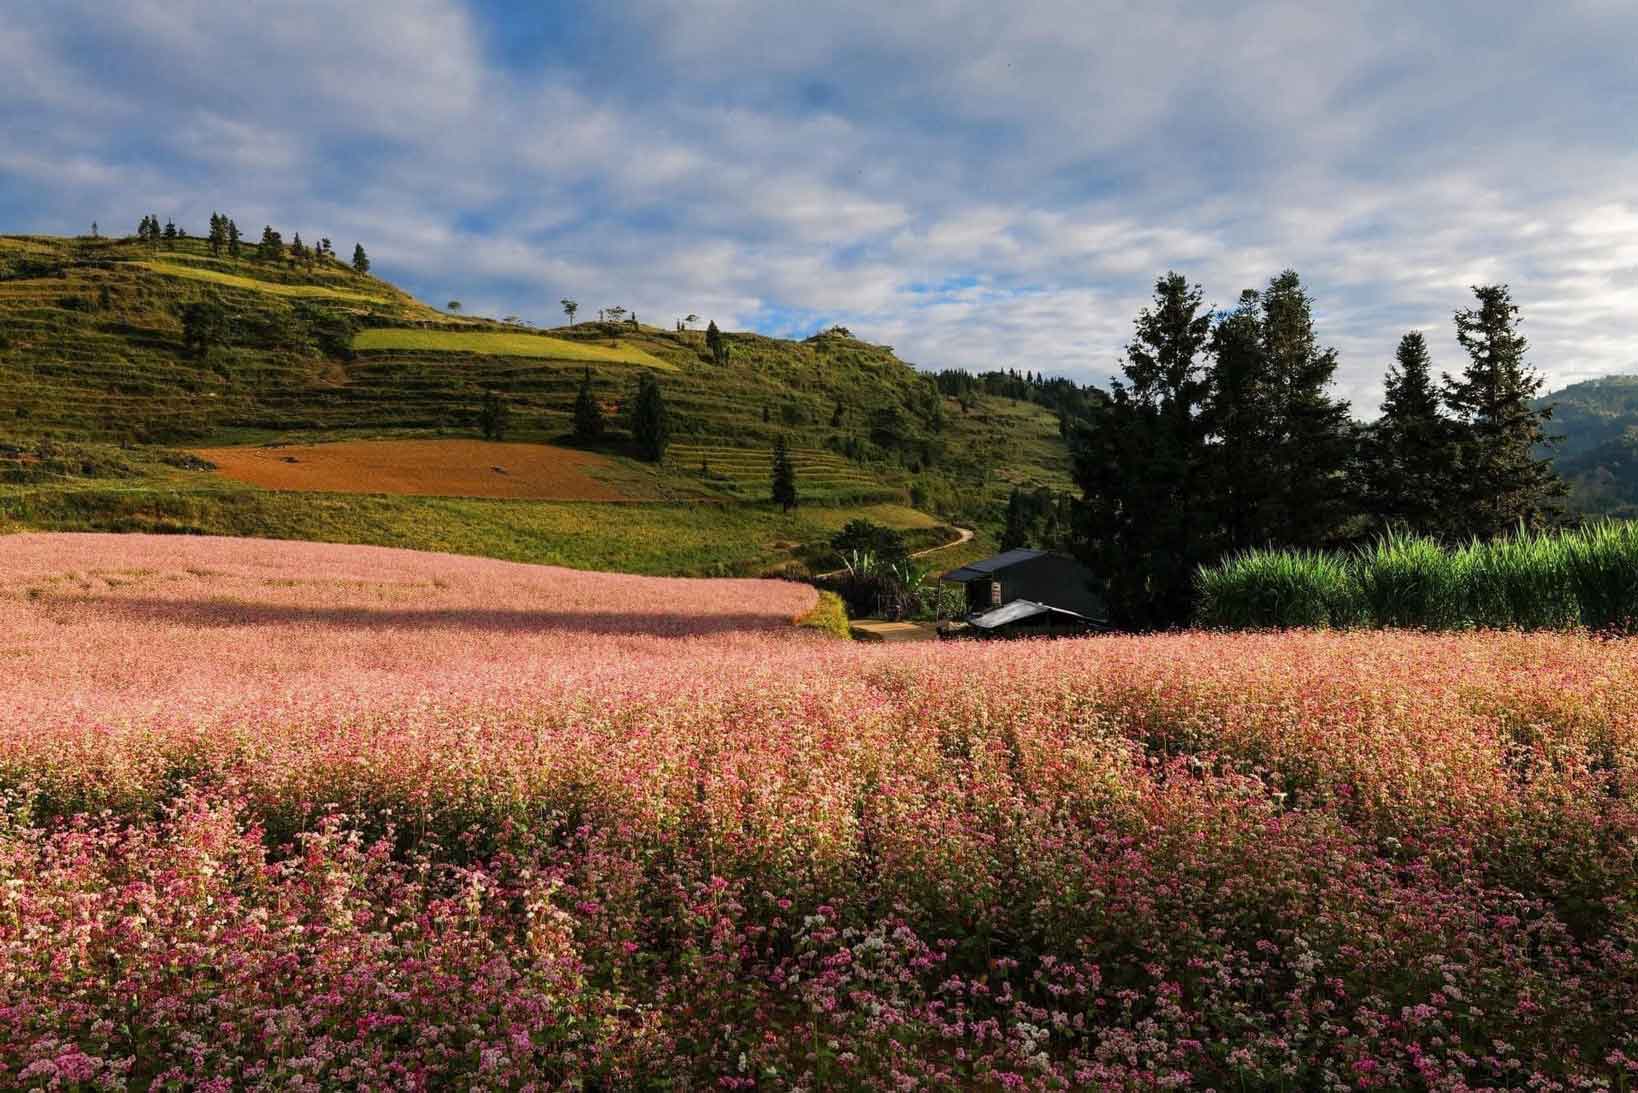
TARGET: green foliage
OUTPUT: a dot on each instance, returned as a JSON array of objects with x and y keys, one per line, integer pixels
[
  {"x": 204, "y": 326},
  {"x": 1524, "y": 581},
  {"x": 860, "y": 537},
  {"x": 717, "y": 345},
  {"x": 1506, "y": 482},
  {"x": 495, "y": 416},
  {"x": 588, "y": 413},
  {"x": 1261, "y": 589},
  {"x": 1413, "y": 453},
  {"x": 1603, "y": 565},
  {"x": 361, "y": 261},
  {"x": 829, "y": 616},
  {"x": 1530, "y": 580},
  {"x": 1410, "y": 581},
  {"x": 783, "y": 476},
  {"x": 650, "y": 421},
  {"x": 1143, "y": 466}
]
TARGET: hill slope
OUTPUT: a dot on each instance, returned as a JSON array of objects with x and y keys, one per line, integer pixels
[
  {"x": 94, "y": 355},
  {"x": 1598, "y": 456}
]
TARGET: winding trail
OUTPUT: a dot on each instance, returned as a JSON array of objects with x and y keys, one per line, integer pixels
[{"x": 964, "y": 535}]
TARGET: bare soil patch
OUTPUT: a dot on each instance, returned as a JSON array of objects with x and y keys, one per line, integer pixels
[{"x": 430, "y": 468}]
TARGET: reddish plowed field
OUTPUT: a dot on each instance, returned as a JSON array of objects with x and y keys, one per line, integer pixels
[{"x": 433, "y": 468}]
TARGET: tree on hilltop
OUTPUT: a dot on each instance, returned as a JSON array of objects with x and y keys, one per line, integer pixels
[
  {"x": 716, "y": 343},
  {"x": 218, "y": 233},
  {"x": 569, "y": 308},
  {"x": 271, "y": 248},
  {"x": 588, "y": 415},
  {"x": 1500, "y": 430},
  {"x": 784, "y": 475},
  {"x": 233, "y": 238},
  {"x": 170, "y": 231},
  {"x": 361, "y": 261}
]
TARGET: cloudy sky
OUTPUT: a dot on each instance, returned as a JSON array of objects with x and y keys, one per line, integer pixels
[{"x": 977, "y": 184}]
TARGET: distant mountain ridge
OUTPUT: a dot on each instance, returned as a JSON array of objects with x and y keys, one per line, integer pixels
[{"x": 1598, "y": 454}]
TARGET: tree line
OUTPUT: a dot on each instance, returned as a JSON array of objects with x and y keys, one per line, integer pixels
[
  {"x": 1223, "y": 434},
  {"x": 225, "y": 237}
]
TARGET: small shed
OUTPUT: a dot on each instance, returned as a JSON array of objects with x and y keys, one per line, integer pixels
[{"x": 1044, "y": 579}]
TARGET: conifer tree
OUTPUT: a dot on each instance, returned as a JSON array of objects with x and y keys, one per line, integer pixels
[
  {"x": 233, "y": 238},
  {"x": 1238, "y": 418},
  {"x": 297, "y": 249},
  {"x": 588, "y": 415},
  {"x": 1145, "y": 520},
  {"x": 569, "y": 308},
  {"x": 784, "y": 476},
  {"x": 170, "y": 230},
  {"x": 715, "y": 342},
  {"x": 650, "y": 424},
  {"x": 271, "y": 248},
  {"x": 361, "y": 261},
  {"x": 218, "y": 233},
  {"x": 494, "y": 417},
  {"x": 1500, "y": 430},
  {"x": 1312, "y": 445},
  {"x": 1413, "y": 458}
]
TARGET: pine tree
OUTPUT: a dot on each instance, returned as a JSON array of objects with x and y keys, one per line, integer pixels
[
  {"x": 650, "y": 425},
  {"x": 361, "y": 261},
  {"x": 1313, "y": 445},
  {"x": 1239, "y": 418},
  {"x": 1145, "y": 520},
  {"x": 588, "y": 415},
  {"x": 218, "y": 233},
  {"x": 569, "y": 308},
  {"x": 170, "y": 230},
  {"x": 233, "y": 239},
  {"x": 1016, "y": 532},
  {"x": 715, "y": 342},
  {"x": 1413, "y": 458},
  {"x": 784, "y": 476},
  {"x": 297, "y": 249},
  {"x": 271, "y": 248},
  {"x": 1500, "y": 431},
  {"x": 494, "y": 417}
]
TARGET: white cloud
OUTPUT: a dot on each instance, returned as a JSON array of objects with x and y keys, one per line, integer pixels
[{"x": 1038, "y": 164}]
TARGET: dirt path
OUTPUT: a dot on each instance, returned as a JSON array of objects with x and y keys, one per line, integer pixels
[{"x": 964, "y": 535}]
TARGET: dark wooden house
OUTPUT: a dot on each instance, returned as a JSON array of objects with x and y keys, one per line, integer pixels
[{"x": 1050, "y": 580}]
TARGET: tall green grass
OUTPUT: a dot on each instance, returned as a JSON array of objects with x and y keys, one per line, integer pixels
[
  {"x": 1258, "y": 589},
  {"x": 1526, "y": 581}
]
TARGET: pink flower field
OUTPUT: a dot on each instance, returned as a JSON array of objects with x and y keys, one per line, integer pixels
[{"x": 297, "y": 816}]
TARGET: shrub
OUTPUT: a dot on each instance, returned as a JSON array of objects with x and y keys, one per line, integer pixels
[
  {"x": 1411, "y": 582},
  {"x": 1603, "y": 567},
  {"x": 1277, "y": 589},
  {"x": 1522, "y": 582}
]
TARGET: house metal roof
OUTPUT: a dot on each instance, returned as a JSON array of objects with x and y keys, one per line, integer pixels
[
  {"x": 983, "y": 568},
  {"x": 1018, "y": 610}
]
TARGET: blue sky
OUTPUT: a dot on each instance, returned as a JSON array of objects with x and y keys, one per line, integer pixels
[{"x": 978, "y": 185}]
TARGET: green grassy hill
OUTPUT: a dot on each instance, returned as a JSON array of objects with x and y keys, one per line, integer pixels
[
  {"x": 93, "y": 363},
  {"x": 1598, "y": 456}
]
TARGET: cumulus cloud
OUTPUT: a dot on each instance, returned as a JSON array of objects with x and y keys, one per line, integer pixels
[{"x": 979, "y": 185}]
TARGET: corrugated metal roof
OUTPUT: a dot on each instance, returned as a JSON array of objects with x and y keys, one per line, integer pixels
[
  {"x": 1016, "y": 611},
  {"x": 986, "y": 566}
]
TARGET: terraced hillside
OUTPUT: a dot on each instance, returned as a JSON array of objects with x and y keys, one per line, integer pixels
[{"x": 94, "y": 350}]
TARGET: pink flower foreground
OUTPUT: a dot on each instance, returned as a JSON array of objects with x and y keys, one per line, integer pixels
[{"x": 295, "y": 816}]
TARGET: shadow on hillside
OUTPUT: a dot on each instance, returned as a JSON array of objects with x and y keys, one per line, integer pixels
[{"x": 217, "y": 613}]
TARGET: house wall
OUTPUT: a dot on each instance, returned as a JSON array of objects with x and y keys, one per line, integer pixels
[{"x": 1058, "y": 582}]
